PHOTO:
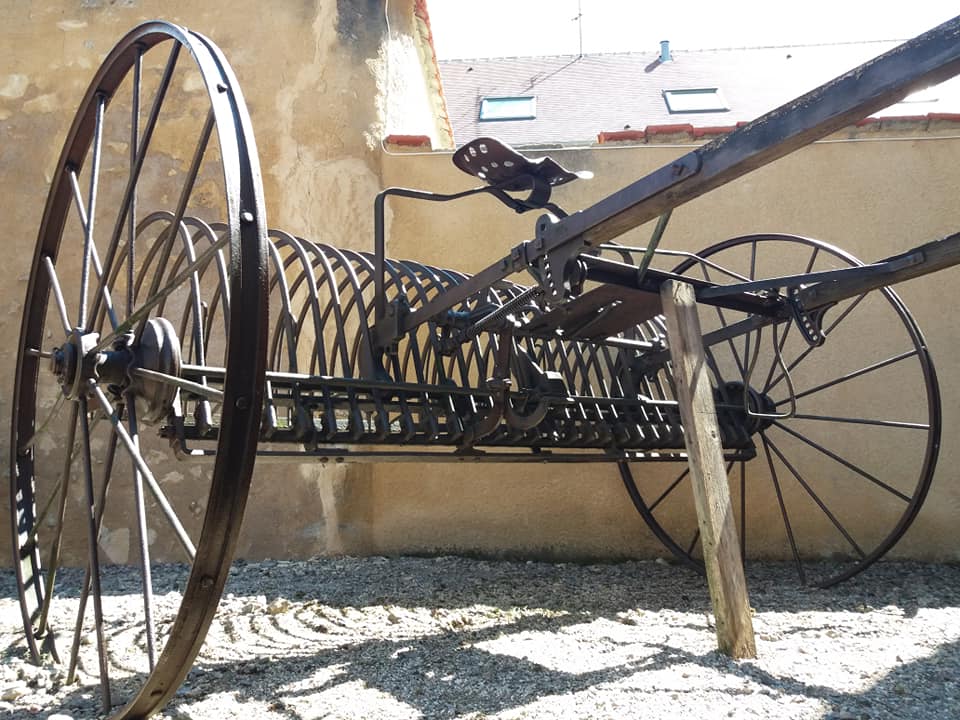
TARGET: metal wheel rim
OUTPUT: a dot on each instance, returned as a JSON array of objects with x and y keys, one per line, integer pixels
[
  {"x": 933, "y": 406},
  {"x": 246, "y": 344}
]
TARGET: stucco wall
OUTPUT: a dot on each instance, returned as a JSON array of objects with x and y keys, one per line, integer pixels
[
  {"x": 316, "y": 84},
  {"x": 869, "y": 195}
]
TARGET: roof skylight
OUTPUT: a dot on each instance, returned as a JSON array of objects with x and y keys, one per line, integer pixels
[
  {"x": 508, "y": 108},
  {"x": 695, "y": 100}
]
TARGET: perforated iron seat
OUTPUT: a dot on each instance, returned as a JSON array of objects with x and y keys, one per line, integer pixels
[{"x": 498, "y": 164}]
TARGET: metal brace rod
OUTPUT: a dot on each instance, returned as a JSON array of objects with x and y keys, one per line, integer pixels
[
  {"x": 921, "y": 260},
  {"x": 381, "y": 333},
  {"x": 883, "y": 268},
  {"x": 835, "y": 286}
]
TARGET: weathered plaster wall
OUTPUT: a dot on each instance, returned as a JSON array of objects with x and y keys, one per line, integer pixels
[
  {"x": 314, "y": 77},
  {"x": 313, "y": 74}
]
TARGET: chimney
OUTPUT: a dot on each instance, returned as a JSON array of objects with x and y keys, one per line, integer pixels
[{"x": 664, "y": 51}]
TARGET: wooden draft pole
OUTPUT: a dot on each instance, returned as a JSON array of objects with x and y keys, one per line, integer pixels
[{"x": 711, "y": 491}]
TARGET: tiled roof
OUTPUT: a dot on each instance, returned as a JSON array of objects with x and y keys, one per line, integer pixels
[{"x": 580, "y": 97}]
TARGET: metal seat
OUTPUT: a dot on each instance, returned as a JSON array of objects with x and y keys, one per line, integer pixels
[{"x": 498, "y": 164}]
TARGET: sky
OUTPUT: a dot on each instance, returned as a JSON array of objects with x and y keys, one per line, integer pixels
[{"x": 503, "y": 28}]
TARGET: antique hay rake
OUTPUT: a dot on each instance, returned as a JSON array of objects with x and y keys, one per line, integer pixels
[{"x": 229, "y": 342}]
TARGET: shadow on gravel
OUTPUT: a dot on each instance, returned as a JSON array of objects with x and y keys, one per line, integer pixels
[
  {"x": 929, "y": 687},
  {"x": 442, "y": 676},
  {"x": 464, "y": 681},
  {"x": 925, "y": 688},
  {"x": 445, "y": 674}
]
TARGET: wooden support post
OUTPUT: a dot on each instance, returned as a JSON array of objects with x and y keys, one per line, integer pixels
[{"x": 711, "y": 491}]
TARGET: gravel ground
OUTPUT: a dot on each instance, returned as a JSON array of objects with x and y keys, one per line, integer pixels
[{"x": 458, "y": 638}]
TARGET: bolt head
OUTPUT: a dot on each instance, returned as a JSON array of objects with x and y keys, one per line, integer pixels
[{"x": 57, "y": 362}]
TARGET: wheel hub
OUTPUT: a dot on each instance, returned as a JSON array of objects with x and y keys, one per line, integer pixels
[
  {"x": 159, "y": 351},
  {"x": 757, "y": 409},
  {"x": 78, "y": 363}
]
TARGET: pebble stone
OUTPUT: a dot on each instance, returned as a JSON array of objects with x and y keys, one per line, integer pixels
[{"x": 465, "y": 639}]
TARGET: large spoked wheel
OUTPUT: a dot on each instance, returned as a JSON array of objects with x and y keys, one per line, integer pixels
[
  {"x": 140, "y": 319},
  {"x": 847, "y": 434}
]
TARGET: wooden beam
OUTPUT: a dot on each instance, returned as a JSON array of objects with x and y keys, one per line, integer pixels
[{"x": 711, "y": 491}]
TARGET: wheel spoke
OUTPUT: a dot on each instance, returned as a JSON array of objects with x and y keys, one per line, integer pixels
[
  {"x": 42, "y": 427},
  {"x": 132, "y": 212},
  {"x": 145, "y": 573},
  {"x": 143, "y": 311},
  {"x": 94, "y": 255},
  {"x": 187, "y": 190},
  {"x": 855, "y": 374},
  {"x": 56, "y": 540},
  {"x": 724, "y": 325},
  {"x": 816, "y": 498},
  {"x": 733, "y": 348},
  {"x": 783, "y": 511},
  {"x": 94, "y": 554},
  {"x": 712, "y": 361},
  {"x": 168, "y": 236},
  {"x": 42, "y": 515},
  {"x": 85, "y": 588},
  {"x": 903, "y": 425},
  {"x": 767, "y": 384},
  {"x": 753, "y": 276},
  {"x": 144, "y": 469},
  {"x": 670, "y": 489},
  {"x": 130, "y": 189},
  {"x": 186, "y": 385},
  {"x": 846, "y": 463},
  {"x": 91, "y": 210},
  {"x": 58, "y": 294}
]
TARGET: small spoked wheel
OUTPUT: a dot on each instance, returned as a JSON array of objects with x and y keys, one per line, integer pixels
[
  {"x": 846, "y": 433},
  {"x": 140, "y": 319}
]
